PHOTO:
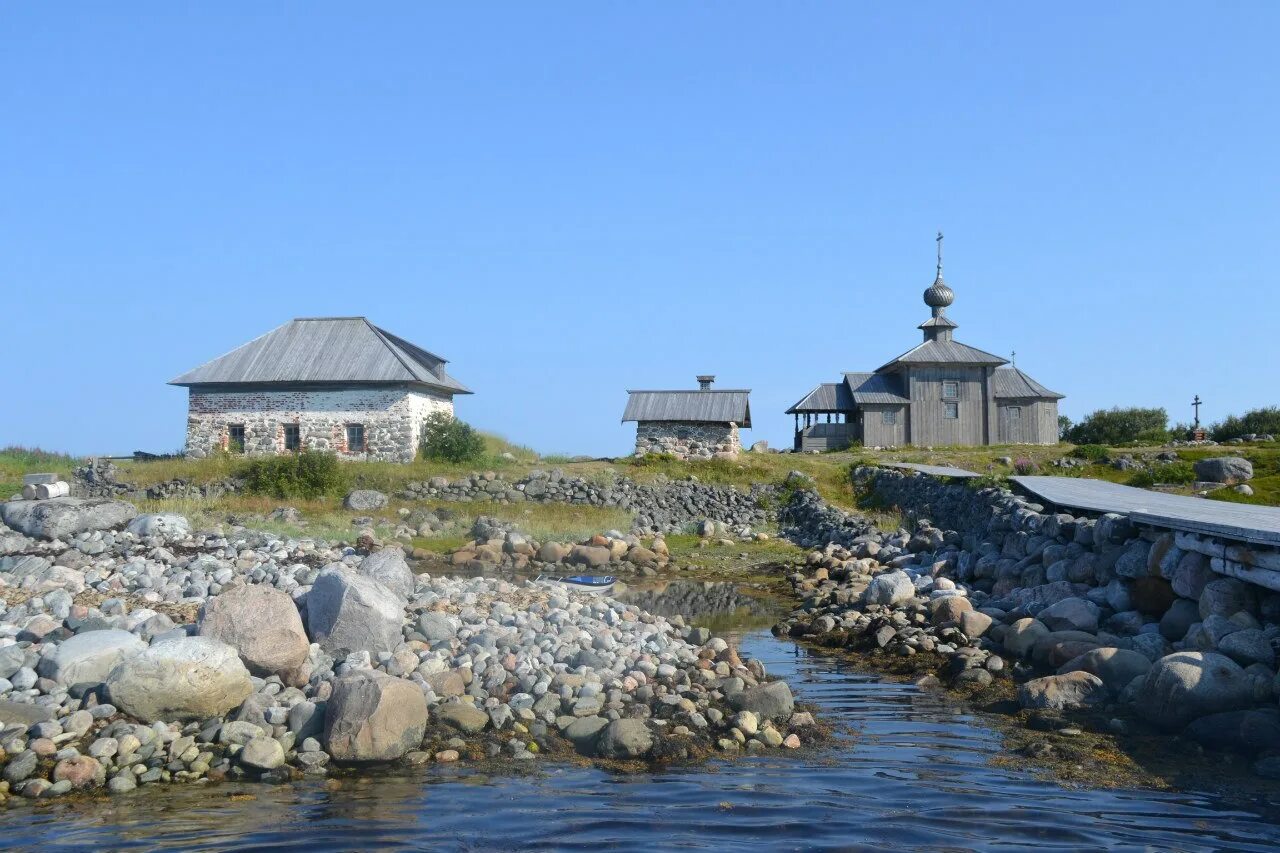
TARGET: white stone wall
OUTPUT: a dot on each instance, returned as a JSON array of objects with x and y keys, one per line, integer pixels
[
  {"x": 392, "y": 418},
  {"x": 686, "y": 440}
]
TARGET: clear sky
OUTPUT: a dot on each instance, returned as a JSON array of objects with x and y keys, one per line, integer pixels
[{"x": 567, "y": 200}]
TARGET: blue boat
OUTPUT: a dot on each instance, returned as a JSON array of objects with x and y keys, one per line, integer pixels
[{"x": 597, "y": 584}]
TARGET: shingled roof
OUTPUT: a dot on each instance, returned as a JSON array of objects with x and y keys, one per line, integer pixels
[
  {"x": 945, "y": 352},
  {"x": 827, "y": 397},
  {"x": 702, "y": 406},
  {"x": 329, "y": 350},
  {"x": 1012, "y": 383}
]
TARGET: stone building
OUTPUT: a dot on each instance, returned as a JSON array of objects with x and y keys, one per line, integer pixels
[
  {"x": 699, "y": 424},
  {"x": 939, "y": 393},
  {"x": 336, "y": 384}
]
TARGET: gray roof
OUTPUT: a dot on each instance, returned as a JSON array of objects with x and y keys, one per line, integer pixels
[
  {"x": 945, "y": 352},
  {"x": 1012, "y": 382},
  {"x": 875, "y": 389},
  {"x": 827, "y": 397},
  {"x": 722, "y": 407},
  {"x": 336, "y": 350}
]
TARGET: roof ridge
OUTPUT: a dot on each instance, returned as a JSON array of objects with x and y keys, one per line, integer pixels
[{"x": 413, "y": 374}]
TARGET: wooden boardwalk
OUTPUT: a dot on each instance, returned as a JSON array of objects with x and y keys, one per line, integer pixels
[
  {"x": 1244, "y": 522},
  {"x": 934, "y": 470}
]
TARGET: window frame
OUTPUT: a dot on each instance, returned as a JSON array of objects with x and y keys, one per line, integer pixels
[
  {"x": 954, "y": 383},
  {"x": 363, "y": 446},
  {"x": 297, "y": 433},
  {"x": 1015, "y": 413},
  {"x": 888, "y": 417},
  {"x": 233, "y": 446},
  {"x": 948, "y": 407}
]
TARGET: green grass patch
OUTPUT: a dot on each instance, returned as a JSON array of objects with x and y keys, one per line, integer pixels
[{"x": 16, "y": 461}]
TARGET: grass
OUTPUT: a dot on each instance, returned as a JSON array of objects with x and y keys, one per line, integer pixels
[{"x": 16, "y": 461}]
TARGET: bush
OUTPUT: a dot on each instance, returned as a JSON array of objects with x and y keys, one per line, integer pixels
[
  {"x": 1174, "y": 473},
  {"x": 1025, "y": 467},
  {"x": 1256, "y": 422},
  {"x": 308, "y": 474},
  {"x": 1119, "y": 426},
  {"x": 1092, "y": 452},
  {"x": 447, "y": 439}
]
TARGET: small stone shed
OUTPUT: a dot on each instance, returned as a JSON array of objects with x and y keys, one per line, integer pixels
[
  {"x": 335, "y": 384},
  {"x": 701, "y": 424}
]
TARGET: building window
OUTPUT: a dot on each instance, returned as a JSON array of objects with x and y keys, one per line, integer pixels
[
  {"x": 355, "y": 438},
  {"x": 292, "y": 438},
  {"x": 1015, "y": 413},
  {"x": 950, "y": 390},
  {"x": 888, "y": 417},
  {"x": 951, "y": 411},
  {"x": 235, "y": 438}
]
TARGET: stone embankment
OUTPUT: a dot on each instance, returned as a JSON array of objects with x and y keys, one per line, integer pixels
[
  {"x": 134, "y": 650},
  {"x": 1088, "y": 614}
]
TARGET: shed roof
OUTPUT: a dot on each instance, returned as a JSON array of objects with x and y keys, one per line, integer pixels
[
  {"x": 875, "y": 389},
  {"x": 341, "y": 350},
  {"x": 945, "y": 352},
  {"x": 1010, "y": 382},
  {"x": 718, "y": 406},
  {"x": 827, "y": 397}
]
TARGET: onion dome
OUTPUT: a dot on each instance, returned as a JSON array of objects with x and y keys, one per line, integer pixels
[{"x": 939, "y": 295}]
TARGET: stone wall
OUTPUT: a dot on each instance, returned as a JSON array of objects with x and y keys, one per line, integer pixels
[
  {"x": 687, "y": 440},
  {"x": 392, "y": 418}
]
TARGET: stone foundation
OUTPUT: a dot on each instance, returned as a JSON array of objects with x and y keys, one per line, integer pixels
[
  {"x": 392, "y": 418},
  {"x": 686, "y": 440}
]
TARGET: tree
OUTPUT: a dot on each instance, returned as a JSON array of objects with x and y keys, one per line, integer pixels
[
  {"x": 448, "y": 439},
  {"x": 1264, "y": 421},
  {"x": 1120, "y": 426},
  {"x": 1064, "y": 427}
]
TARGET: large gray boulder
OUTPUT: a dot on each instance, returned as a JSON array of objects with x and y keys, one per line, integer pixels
[
  {"x": 262, "y": 624},
  {"x": 1248, "y": 646},
  {"x": 389, "y": 568},
  {"x": 38, "y": 575},
  {"x": 372, "y": 716},
  {"x": 169, "y": 525},
  {"x": 1250, "y": 732},
  {"x": 348, "y": 612},
  {"x": 772, "y": 700},
  {"x": 1077, "y": 689},
  {"x": 60, "y": 518},
  {"x": 365, "y": 500},
  {"x": 88, "y": 658},
  {"x": 1116, "y": 667},
  {"x": 1224, "y": 469},
  {"x": 1188, "y": 685},
  {"x": 889, "y": 589},
  {"x": 1192, "y": 574},
  {"x": 187, "y": 678},
  {"x": 626, "y": 738},
  {"x": 1071, "y": 614},
  {"x": 1227, "y": 597},
  {"x": 1022, "y": 636}
]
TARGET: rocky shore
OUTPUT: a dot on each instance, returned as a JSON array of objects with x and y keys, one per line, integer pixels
[
  {"x": 1089, "y": 617},
  {"x": 134, "y": 650}
]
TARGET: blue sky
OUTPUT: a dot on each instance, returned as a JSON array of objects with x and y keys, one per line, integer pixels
[{"x": 571, "y": 199}]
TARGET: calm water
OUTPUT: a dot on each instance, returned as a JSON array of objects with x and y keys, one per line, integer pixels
[{"x": 911, "y": 774}]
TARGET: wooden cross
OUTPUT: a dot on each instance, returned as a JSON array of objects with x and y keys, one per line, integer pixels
[
  {"x": 939, "y": 239},
  {"x": 1196, "y": 405}
]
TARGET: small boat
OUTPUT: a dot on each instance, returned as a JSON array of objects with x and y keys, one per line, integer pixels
[{"x": 595, "y": 584}]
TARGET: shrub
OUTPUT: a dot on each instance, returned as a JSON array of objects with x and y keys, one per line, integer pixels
[
  {"x": 1256, "y": 422},
  {"x": 1118, "y": 426},
  {"x": 1173, "y": 473},
  {"x": 1092, "y": 452},
  {"x": 1025, "y": 467},
  {"x": 308, "y": 474},
  {"x": 1154, "y": 436},
  {"x": 1064, "y": 427},
  {"x": 445, "y": 438}
]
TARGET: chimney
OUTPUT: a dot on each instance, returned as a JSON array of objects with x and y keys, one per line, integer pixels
[{"x": 704, "y": 382}]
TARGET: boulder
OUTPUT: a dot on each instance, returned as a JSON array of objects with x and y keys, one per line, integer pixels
[
  {"x": 1191, "y": 574},
  {"x": 372, "y": 716},
  {"x": 262, "y": 624},
  {"x": 772, "y": 700},
  {"x": 889, "y": 589},
  {"x": 186, "y": 678},
  {"x": 584, "y": 733},
  {"x": 436, "y": 627},
  {"x": 24, "y": 713},
  {"x": 1151, "y": 595},
  {"x": 364, "y": 500},
  {"x": 88, "y": 658},
  {"x": 552, "y": 552},
  {"x": 1188, "y": 685},
  {"x": 950, "y": 608},
  {"x": 38, "y": 575},
  {"x": 169, "y": 525},
  {"x": 1227, "y": 597},
  {"x": 1116, "y": 667},
  {"x": 1070, "y": 614},
  {"x": 1063, "y": 692},
  {"x": 1022, "y": 636},
  {"x": 82, "y": 771},
  {"x": 61, "y": 518},
  {"x": 974, "y": 623},
  {"x": 389, "y": 568},
  {"x": 1178, "y": 619},
  {"x": 591, "y": 556},
  {"x": 467, "y": 719},
  {"x": 348, "y": 612},
  {"x": 626, "y": 738},
  {"x": 1224, "y": 469},
  {"x": 1250, "y": 732},
  {"x": 262, "y": 753},
  {"x": 1248, "y": 646}
]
